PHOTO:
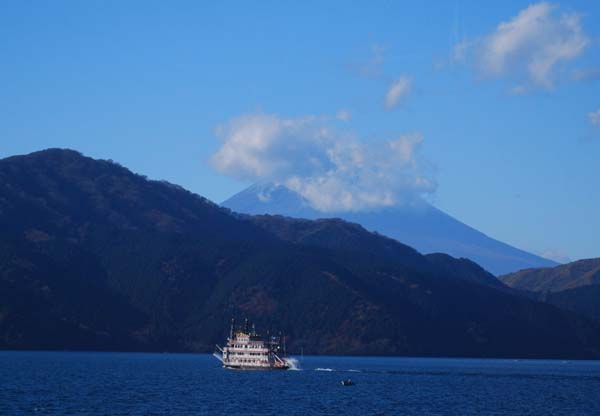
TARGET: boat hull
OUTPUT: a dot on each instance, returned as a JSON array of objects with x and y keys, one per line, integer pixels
[{"x": 254, "y": 368}]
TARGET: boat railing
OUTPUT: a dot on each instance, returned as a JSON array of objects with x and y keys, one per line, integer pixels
[{"x": 278, "y": 359}]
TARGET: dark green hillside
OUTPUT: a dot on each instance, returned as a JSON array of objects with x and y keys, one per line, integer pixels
[
  {"x": 61, "y": 194},
  {"x": 343, "y": 236},
  {"x": 93, "y": 256},
  {"x": 554, "y": 279},
  {"x": 463, "y": 269},
  {"x": 584, "y": 300},
  {"x": 573, "y": 286}
]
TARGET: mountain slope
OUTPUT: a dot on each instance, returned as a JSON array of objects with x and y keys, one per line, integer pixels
[
  {"x": 555, "y": 279},
  {"x": 422, "y": 226},
  {"x": 584, "y": 300},
  {"x": 93, "y": 256},
  {"x": 574, "y": 286},
  {"x": 341, "y": 235}
]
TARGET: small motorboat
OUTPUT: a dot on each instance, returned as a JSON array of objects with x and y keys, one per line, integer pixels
[{"x": 347, "y": 382}]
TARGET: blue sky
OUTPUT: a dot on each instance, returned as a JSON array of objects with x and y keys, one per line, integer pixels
[{"x": 513, "y": 151}]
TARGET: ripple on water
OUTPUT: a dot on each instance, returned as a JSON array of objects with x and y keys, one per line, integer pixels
[{"x": 141, "y": 384}]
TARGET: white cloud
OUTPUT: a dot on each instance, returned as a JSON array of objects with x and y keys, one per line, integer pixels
[
  {"x": 531, "y": 46},
  {"x": 587, "y": 74},
  {"x": 594, "y": 117},
  {"x": 333, "y": 171},
  {"x": 343, "y": 115},
  {"x": 518, "y": 90},
  {"x": 398, "y": 91}
]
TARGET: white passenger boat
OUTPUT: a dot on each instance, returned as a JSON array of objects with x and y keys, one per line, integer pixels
[{"x": 246, "y": 350}]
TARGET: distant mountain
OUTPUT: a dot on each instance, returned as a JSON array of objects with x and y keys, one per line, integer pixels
[
  {"x": 422, "y": 226},
  {"x": 574, "y": 286},
  {"x": 555, "y": 279},
  {"x": 93, "y": 256}
]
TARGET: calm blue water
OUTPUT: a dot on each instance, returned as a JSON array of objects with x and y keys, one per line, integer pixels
[{"x": 62, "y": 383}]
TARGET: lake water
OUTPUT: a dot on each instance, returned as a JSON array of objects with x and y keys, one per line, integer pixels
[{"x": 82, "y": 383}]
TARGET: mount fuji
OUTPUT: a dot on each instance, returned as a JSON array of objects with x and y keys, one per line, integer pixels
[{"x": 419, "y": 225}]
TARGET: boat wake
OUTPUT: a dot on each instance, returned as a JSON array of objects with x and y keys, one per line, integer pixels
[
  {"x": 293, "y": 363},
  {"x": 351, "y": 370}
]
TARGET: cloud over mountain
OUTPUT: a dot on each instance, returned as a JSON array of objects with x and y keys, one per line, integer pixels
[
  {"x": 531, "y": 46},
  {"x": 333, "y": 170}
]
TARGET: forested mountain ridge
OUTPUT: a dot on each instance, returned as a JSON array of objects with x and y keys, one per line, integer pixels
[
  {"x": 93, "y": 256},
  {"x": 554, "y": 279},
  {"x": 573, "y": 286}
]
